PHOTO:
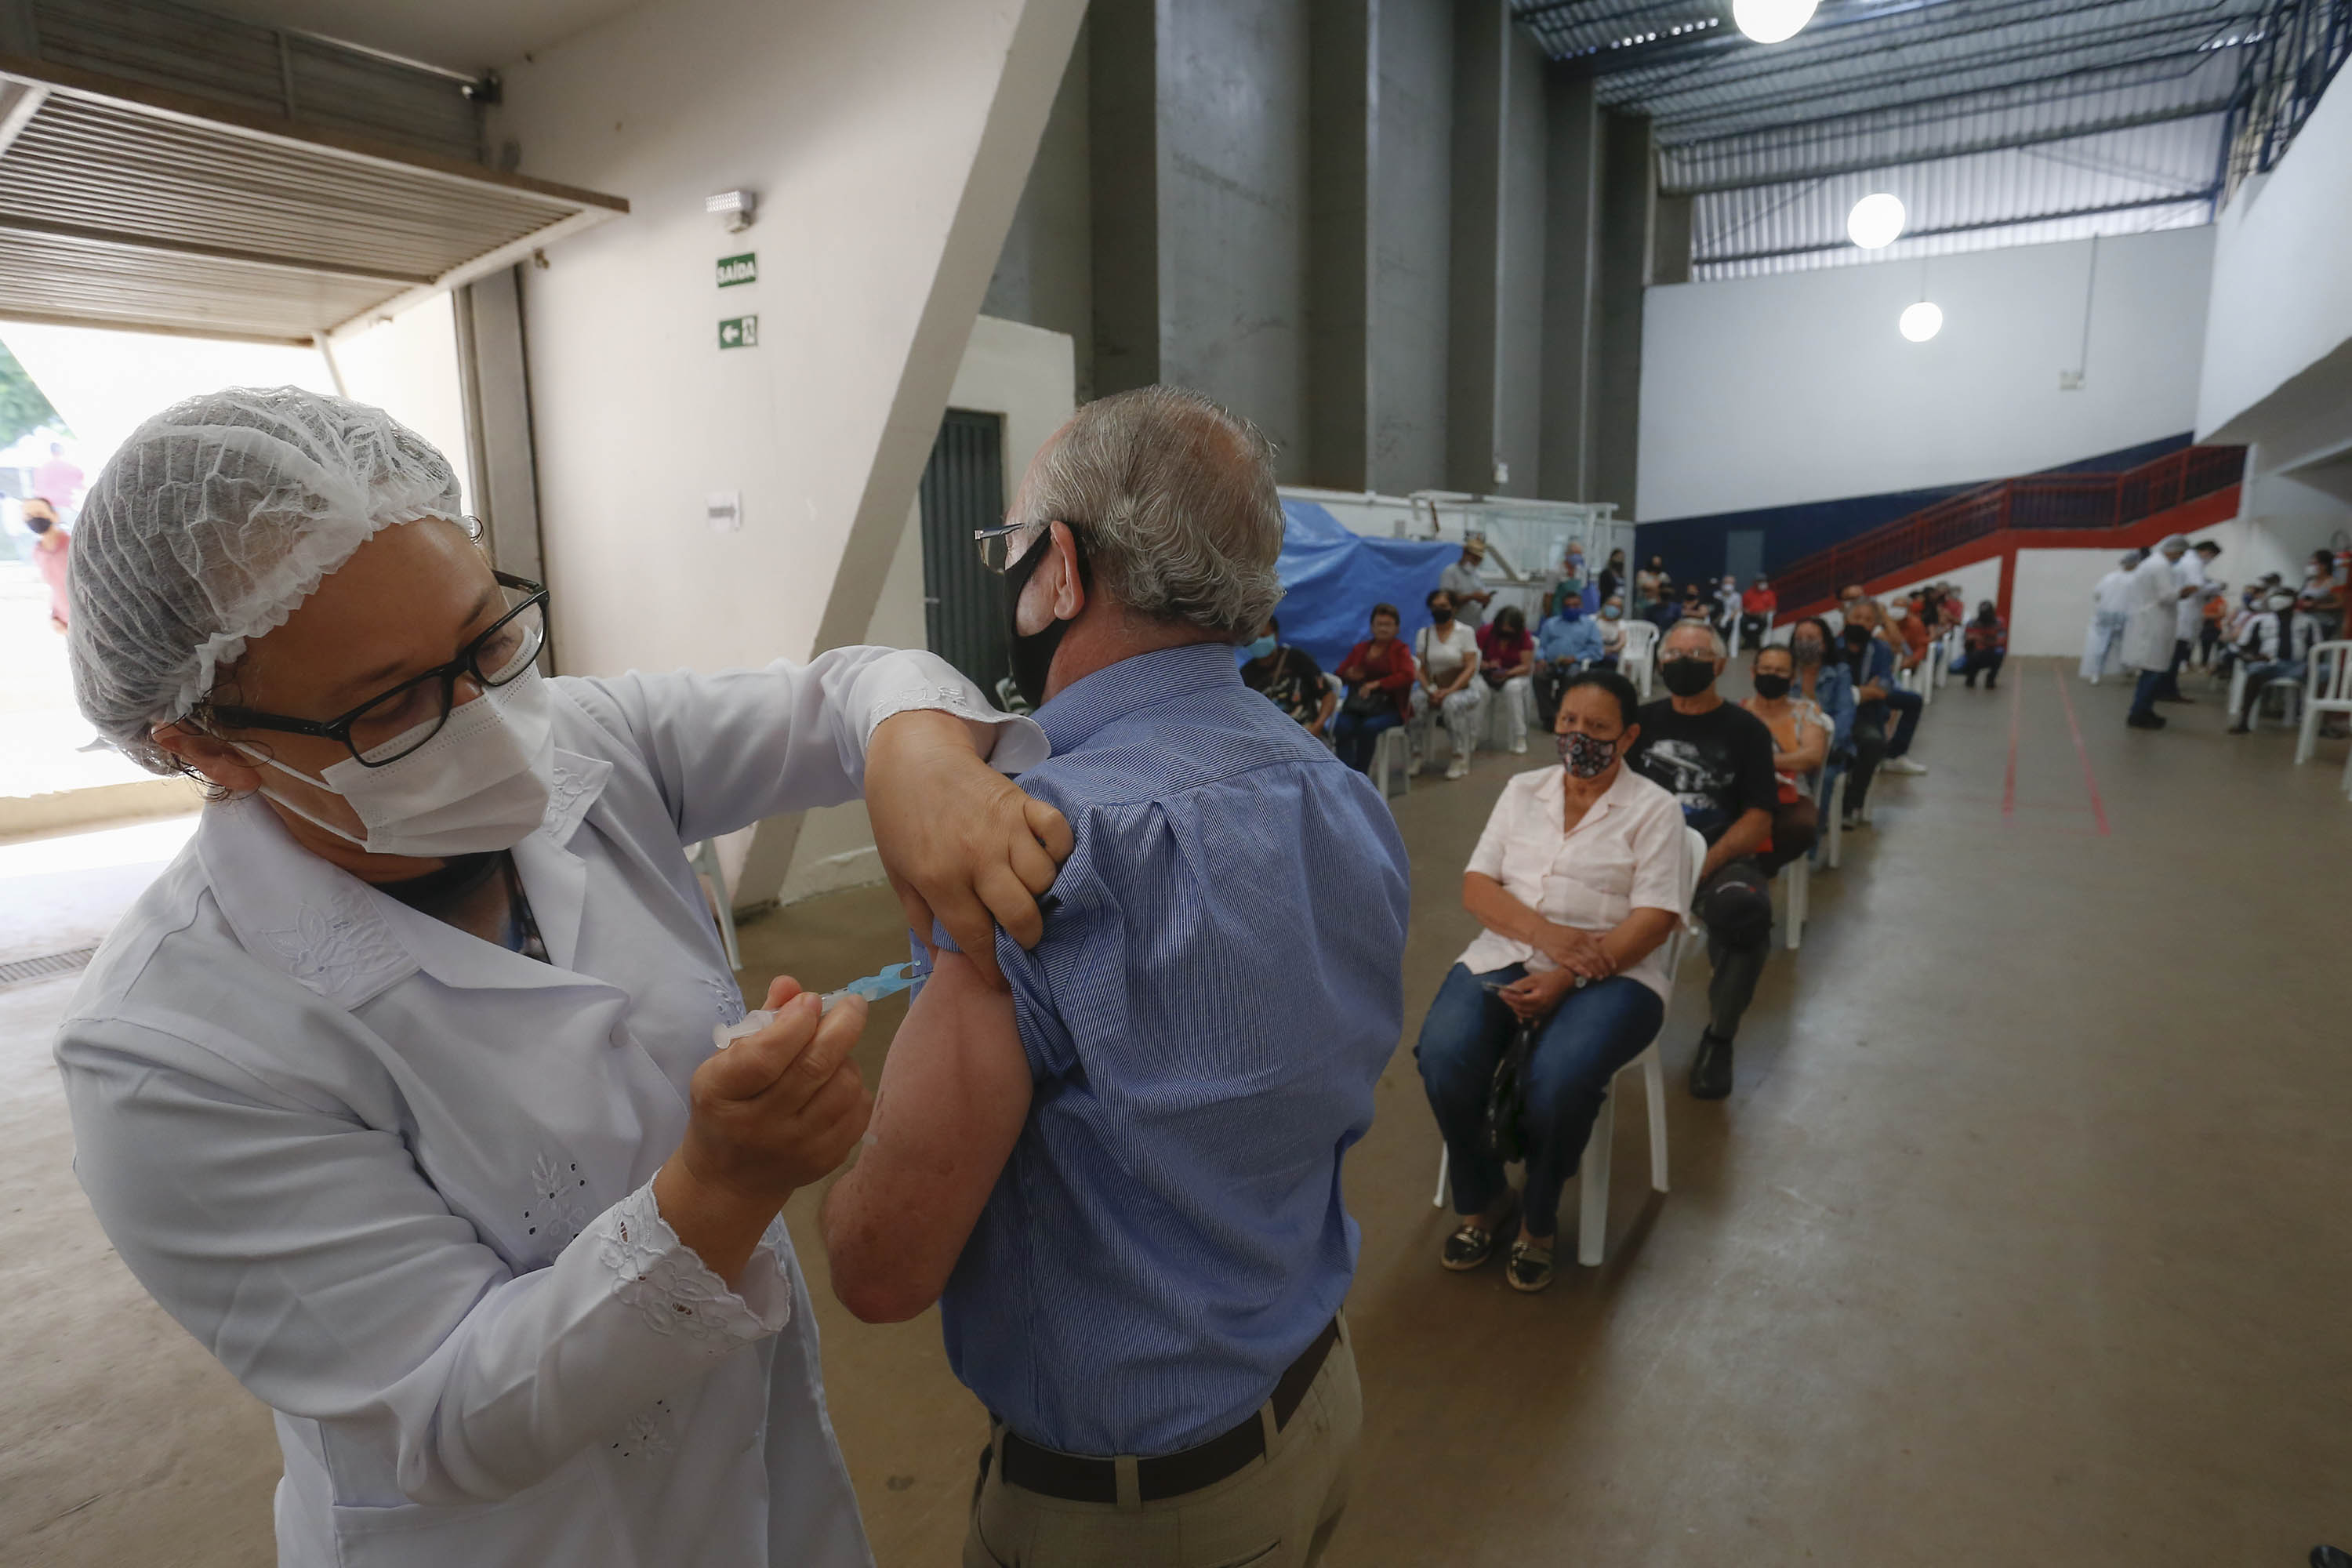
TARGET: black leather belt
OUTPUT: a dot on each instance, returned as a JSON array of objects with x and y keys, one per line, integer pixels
[{"x": 1075, "y": 1479}]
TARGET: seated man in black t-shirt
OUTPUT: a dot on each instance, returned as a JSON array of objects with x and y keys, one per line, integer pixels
[
  {"x": 1716, "y": 759},
  {"x": 1289, "y": 678}
]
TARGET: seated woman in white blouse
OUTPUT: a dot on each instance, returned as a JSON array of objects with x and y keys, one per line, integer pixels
[{"x": 1579, "y": 879}]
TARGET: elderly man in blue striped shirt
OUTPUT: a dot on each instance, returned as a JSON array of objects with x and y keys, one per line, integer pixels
[{"x": 1121, "y": 1180}]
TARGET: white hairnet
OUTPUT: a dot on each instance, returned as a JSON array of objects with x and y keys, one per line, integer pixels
[{"x": 215, "y": 520}]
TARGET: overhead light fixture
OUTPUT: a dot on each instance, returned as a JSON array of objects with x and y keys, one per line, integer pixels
[
  {"x": 1772, "y": 21},
  {"x": 1875, "y": 221},
  {"x": 1922, "y": 320}
]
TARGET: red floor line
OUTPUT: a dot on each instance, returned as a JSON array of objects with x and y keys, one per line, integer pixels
[
  {"x": 2090, "y": 779},
  {"x": 2009, "y": 782}
]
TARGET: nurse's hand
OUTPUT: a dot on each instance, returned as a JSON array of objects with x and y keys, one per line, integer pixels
[
  {"x": 961, "y": 842},
  {"x": 773, "y": 1113}
]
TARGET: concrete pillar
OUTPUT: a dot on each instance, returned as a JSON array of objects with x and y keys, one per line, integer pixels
[
  {"x": 1519, "y": 269},
  {"x": 1481, "y": 45},
  {"x": 1411, "y": 243},
  {"x": 1627, "y": 199},
  {"x": 1341, "y": 120},
  {"x": 1123, "y": 100},
  {"x": 1045, "y": 276},
  {"x": 1571, "y": 283}
]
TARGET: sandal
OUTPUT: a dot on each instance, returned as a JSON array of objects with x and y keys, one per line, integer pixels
[
  {"x": 1531, "y": 1266},
  {"x": 1469, "y": 1245}
]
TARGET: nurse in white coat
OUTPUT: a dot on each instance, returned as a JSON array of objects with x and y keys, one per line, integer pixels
[
  {"x": 2152, "y": 601},
  {"x": 2109, "y": 603},
  {"x": 398, "y": 1089}
]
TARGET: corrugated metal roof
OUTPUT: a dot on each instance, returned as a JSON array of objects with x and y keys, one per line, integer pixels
[
  {"x": 125, "y": 205},
  {"x": 2006, "y": 117}
]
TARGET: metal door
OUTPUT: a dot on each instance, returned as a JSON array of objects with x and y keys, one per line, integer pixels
[
  {"x": 963, "y": 601},
  {"x": 1743, "y": 554}
]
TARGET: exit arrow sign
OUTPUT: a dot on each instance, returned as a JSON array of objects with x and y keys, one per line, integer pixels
[{"x": 740, "y": 332}]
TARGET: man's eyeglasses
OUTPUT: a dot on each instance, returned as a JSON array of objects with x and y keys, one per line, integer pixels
[
  {"x": 997, "y": 544},
  {"x": 391, "y": 724}
]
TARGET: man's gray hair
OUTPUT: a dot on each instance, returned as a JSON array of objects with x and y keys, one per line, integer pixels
[
  {"x": 1173, "y": 500},
  {"x": 1714, "y": 638}
]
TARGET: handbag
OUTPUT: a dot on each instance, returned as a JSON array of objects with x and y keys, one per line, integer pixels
[
  {"x": 1504, "y": 1133},
  {"x": 1367, "y": 702}
]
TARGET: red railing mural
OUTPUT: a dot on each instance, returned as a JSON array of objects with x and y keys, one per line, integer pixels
[{"x": 2041, "y": 500}]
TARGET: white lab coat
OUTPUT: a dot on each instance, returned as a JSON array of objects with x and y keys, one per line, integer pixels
[
  {"x": 396, "y": 1177},
  {"x": 2190, "y": 611},
  {"x": 2109, "y": 608},
  {"x": 2151, "y": 601}
]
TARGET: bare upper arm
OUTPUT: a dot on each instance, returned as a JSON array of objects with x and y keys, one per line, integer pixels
[{"x": 953, "y": 1098}]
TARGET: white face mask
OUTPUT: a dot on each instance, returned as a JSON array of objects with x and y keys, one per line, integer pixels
[
  {"x": 483, "y": 783},
  {"x": 1897, "y": 612}
]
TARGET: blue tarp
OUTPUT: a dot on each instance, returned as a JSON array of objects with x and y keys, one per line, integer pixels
[{"x": 1332, "y": 578}]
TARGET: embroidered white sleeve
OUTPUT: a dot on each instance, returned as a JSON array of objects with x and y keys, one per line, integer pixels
[
  {"x": 659, "y": 1278},
  {"x": 911, "y": 679}
]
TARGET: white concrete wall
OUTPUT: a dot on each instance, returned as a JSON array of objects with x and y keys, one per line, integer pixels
[
  {"x": 1761, "y": 392},
  {"x": 2282, "y": 295},
  {"x": 887, "y": 140},
  {"x": 2050, "y": 607},
  {"x": 1027, "y": 377}
]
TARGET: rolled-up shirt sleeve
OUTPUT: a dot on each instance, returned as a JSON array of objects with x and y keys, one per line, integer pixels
[
  {"x": 309, "y": 1255},
  {"x": 729, "y": 749}
]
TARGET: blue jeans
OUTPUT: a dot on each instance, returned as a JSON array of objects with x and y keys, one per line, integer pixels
[
  {"x": 2152, "y": 681},
  {"x": 1906, "y": 706},
  {"x": 1594, "y": 1032},
  {"x": 1356, "y": 735}
]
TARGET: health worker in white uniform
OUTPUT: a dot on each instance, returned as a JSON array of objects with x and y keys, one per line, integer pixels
[{"x": 398, "y": 1089}]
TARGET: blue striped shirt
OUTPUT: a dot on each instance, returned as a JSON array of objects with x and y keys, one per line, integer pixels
[{"x": 1217, "y": 992}]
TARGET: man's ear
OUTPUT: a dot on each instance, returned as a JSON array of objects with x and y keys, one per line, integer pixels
[
  {"x": 1070, "y": 593},
  {"x": 213, "y": 758}
]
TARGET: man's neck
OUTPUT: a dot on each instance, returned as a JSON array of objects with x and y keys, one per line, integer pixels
[
  {"x": 1707, "y": 701},
  {"x": 1103, "y": 635}
]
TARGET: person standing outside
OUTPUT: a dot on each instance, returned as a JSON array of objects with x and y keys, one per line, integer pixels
[
  {"x": 52, "y": 555},
  {"x": 2109, "y": 610},
  {"x": 1122, "y": 1181},
  {"x": 60, "y": 479},
  {"x": 1716, "y": 760},
  {"x": 2153, "y": 600},
  {"x": 1466, "y": 586}
]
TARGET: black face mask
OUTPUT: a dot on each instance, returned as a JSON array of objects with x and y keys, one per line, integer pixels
[
  {"x": 1772, "y": 688},
  {"x": 1032, "y": 653},
  {"x": 1441, "y": 616},
  {"x": 1807, "y": 652},
  {"x": 1687, "y": 677}
]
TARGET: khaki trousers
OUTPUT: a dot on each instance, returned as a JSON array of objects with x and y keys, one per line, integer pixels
[{"x": 1278, "y": 1511}]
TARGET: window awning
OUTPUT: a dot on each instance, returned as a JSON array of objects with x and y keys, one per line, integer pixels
[{"x": 132, "y": 206}]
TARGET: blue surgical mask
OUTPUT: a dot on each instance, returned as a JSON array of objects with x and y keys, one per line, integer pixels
[{"x": 1262, "y": 649}]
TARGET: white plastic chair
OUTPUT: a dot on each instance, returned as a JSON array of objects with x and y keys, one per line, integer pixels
[
  {"x": 1393, "y": 762},
  {"x": 1592, "y": 1172},
  {"x": 1638, "y": 662},
  {"x": 2328, "y": 691},
  {"x": 1833, "y": 812}
]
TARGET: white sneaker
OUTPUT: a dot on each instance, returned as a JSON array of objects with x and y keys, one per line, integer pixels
[
  {"x": 1520, "y": 747},
  {"x": 1902, "y": 765},
  {"x": 1459, "y": 768}
]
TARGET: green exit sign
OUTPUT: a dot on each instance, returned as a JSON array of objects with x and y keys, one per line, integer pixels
[
  {"x": 734, "y": 269},
  {"x": 740, "y": 332}
]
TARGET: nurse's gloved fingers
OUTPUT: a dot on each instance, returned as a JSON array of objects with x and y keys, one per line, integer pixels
[
  {"x": 781, "y": 990},
  {"x": 1051, "y": 827},
  {"x": 752, "y": 1064},
  {"x": 1011, "y": 904}
]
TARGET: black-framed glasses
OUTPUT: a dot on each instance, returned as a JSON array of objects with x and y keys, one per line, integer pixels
[{"x": 391, "y": 724}]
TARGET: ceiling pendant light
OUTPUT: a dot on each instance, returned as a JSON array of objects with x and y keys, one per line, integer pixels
[
  {"x": 1772, "y": 21},
  {"x": 1875, "y": 221},
  {"x": 1922, "y": 320}
]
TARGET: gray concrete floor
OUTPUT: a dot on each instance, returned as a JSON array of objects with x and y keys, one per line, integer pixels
[{"x": 2021, "y": 1240}]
